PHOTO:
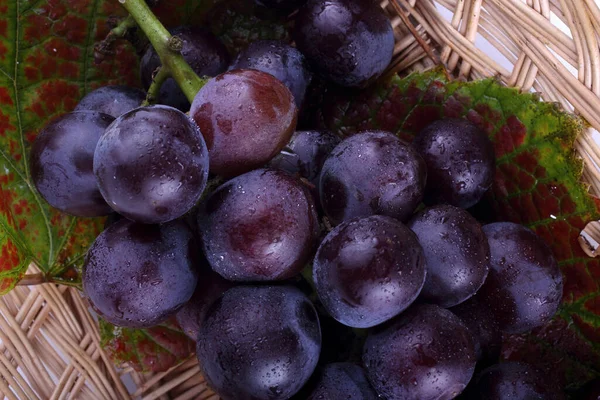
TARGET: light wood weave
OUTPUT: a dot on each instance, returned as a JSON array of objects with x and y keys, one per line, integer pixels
[{"x": 49, "y": 341}]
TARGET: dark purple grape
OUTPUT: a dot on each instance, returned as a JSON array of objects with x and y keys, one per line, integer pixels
[
  {"x": 456, "y": 251},
  {"x": 209, "y": 288},
  {"x": 279, "y": 59},
  {"x": 524, "y": 285},
  {"x": 512, "y": 381},
  {"x": 483, "y": 326},
  {"x": 342, "y": 381},
  {"x": 259, "y": 342},
  {"x": 427, "y": 354},
  {"x": 61, "y": 161},
  {"x": 201, "y": 50},
  {"x": 460, "y": 162},
  {"x": 368, "y": 270},
  {"x": 139, "y": 275},
  {"x": 112, "y": 100},
  {"x": 282, "y": 5},
  {"x": 372, "y": 173},
  {"x": 260, "y": 226},
  {"x": 306, "y": 153},
  {"x": 350, "y": 42},
  {"x": 151, "y": 164},
  {"x": 246, "y": 117}
]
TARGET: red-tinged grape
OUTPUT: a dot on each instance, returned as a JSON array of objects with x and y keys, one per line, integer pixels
[
  {"x": 61, "y": 162},
  {"x": 259, "y": 342},
  {"x": 460, "y": 162},
  {"x": 151, "y": 164},
  {"x": 524, "y": 286},
  {"x": 259, "y": 226},
  {"x": 349, "y": 42},
  {"x": 372, "y": 173},
  {"x": 279, "y": 59},
  {"x": 368, "y": 270},
  {"x": 139, "y": 275},
  {"x": 201, "y": 50},
  {"x": 483, "y": 326},
  {"x": 426, "y": 353},
  {"x": 210, "y": 287},
  {"x": 342, "y": 381},
  {"x": 512, "y": 381},
  {"x": 112, "y": 100},
  {"x": 246, "y": 117},
  {"x": 306, "y": 153},
  {"x": 457, "y": 254}
]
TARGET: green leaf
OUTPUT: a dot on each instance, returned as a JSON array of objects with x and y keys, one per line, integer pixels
[
  {"x": 537, "y": 183},
  {"x": 153, "y": 349}
]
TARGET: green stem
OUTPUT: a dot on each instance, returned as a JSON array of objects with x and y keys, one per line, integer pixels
[
  {"x": 159, "y": 37},
  {"x": 124, "y": 26},
  {"x": 153, "y": 91},
  {"x": 33, "y": 279},
  {"x": 106, "y": 45}
]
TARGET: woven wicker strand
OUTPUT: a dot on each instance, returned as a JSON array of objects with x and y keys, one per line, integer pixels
[{"x": 49, "y": 342}]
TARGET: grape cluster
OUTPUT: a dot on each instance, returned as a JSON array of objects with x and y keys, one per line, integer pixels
[{"x": 307, "y": 236}]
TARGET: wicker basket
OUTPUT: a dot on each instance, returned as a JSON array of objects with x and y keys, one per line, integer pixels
[{"x": 49, "y": 340}]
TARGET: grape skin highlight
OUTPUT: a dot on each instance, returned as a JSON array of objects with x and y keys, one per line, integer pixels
[
  {"x": 112, "y": 100},
  {"x": 151, "y": 164},
  {"x": 139, "y": 275},
  {"x": 368, "y": 270},
  {"x": 259, "y": 342},
  {"x": 61, "y": 161},
  {"x": 370, "y": 173},
  {"x": 246, "y": 117},
  {"x": 426, "y": 353},
  {"x": 260, "y": 226}
]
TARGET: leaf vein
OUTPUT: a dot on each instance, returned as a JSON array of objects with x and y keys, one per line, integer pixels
[
  {"x": 18, "y": 113},
  {"x": 88, "y": 45}
]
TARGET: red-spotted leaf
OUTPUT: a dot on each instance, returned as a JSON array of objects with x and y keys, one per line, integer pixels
[
  {"x": 561, "y": 352},
  {"x": 153, "y": 349},
  {"x": 46, "y": 66},
  {"x": 537, "y": 177}
]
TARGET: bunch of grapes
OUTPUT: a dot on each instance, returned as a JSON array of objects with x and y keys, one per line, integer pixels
[{"x": 311, "y": 242}]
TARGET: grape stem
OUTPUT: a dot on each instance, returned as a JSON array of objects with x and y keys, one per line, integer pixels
[
  {"x": 123, "y": 27},
  {"x": 105, "y": 47},
  {"x": 159, "y": 78},
  {"x": 172, "y": 61},
  {"x": 33, "y": 279}
]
